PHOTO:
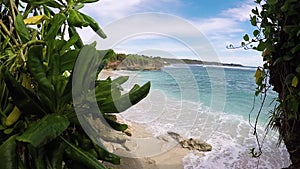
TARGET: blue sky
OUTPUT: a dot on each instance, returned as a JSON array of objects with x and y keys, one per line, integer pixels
[{"x": 220, "y": 22}]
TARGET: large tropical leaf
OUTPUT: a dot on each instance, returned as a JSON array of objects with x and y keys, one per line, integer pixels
[
  {"x": 85, "y": 71},
  {"x": 8, "y": 155},
  {"x": 81, "y": 156},
  {"x": 45, "y": 130},
  {"x": 55, "y": 151},
  {"x": 37, "y": 70},
  {"x": 106, "y": 156},
  {"x": 22, "y": 29},
  {"x": 106, "y": 89},
  {"x": 56, "y": 23},
  {"x": 114, "y": 124},
  {"x": 24, "y": 99},
  {"x": 120, "y": 80},
  {"x": 116, "y": 105},
  {"x": 68, "y": 60}
]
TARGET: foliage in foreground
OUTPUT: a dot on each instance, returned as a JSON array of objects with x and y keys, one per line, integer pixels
[
  {"x": 277, "y": 36},
  {"x": 39, "y": 127}
]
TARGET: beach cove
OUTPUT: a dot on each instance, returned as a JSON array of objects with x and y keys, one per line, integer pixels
[{"x": 173, "y": 106}]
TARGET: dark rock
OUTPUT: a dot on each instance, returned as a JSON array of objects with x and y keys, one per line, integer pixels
[{"x": 191, "y": 143}]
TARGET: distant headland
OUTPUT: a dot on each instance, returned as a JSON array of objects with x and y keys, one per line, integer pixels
[{"x": 121, "y": 61}]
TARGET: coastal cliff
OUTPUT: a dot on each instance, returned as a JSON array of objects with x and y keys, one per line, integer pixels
[{"x": 120, "y": 61}]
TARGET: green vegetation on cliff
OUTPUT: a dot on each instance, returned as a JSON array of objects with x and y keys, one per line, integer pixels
[
  {"x": 132, "y": 62},
  {"x": 122, "y": 61}
]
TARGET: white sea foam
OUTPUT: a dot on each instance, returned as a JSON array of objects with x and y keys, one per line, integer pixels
[
  {"x": 232, "y": 141},
  {"x": 230, "y": 135}
]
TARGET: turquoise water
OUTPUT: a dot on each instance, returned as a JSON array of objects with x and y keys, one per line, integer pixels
[
  {"x": 227, "y": 89},
  {"x": 213, "y": 104}
]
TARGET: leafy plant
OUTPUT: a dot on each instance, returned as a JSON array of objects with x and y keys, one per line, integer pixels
[
  {"x": 277, "y": 36},
  {"x": 39, "y": 127}
]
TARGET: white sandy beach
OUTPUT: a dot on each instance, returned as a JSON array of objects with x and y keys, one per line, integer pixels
[{"x": 170, "y": 159}]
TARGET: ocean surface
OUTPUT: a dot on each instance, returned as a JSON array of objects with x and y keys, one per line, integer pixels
[{"x": 211, "y": 103}]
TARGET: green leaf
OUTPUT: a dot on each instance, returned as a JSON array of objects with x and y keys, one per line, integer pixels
[
  {"x": 72, "y": 32},
  {"x": 243, "y": 44},
  {"x": 261, "y": 46},
  {"x": 55, "y": 152},
  {"x": 255, "y": 11},
  {"x": 76, "y": 19},
  {"x": 57, "y": 21},
  {"x": 45, "y": 130},
  {"x": 78, "y": 6},
  {"x": 69, "y": 43},
  {"x": 114, "y": 124},
  {"x": 120, "y": 80},
  {"x": 53, "y": 4},
  {"x": 52, "y": 31},
  {"x": 94, "y": 25},
  {"x": 8, "y": 154},
  {"x": 54, "y": 69},
  {"x": 39, "y": 2},
  {"x": 246, "y": 37},
  {"x": 85, "y": 69},
  {"x": 68, "y": 59},
  {"x": 256, "y": 33},
  {"x": 104, "y": 90},
  {"x": 295, "y": 81},
  {"x": 5, "y": 42},
  {"x": 24, "y": 99},
  {"x": 81, "y": 156},
  {"x": 135, "y": 87},
  {"x": 253, "y": 21},
  {"x": 36, "y": 68},
  {"x": 22, "y": 29},
  {"x": 105, "y": 155},
  {"x": 117, "y": 105}
]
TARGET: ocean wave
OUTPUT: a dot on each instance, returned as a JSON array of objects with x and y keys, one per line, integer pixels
[{"x": 230, "y": 135}]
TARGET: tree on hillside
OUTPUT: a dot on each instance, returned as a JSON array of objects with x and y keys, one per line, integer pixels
[{"x": 277, "y": 36}]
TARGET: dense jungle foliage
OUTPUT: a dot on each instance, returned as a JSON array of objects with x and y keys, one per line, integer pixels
[
  {"x": 39, "y": 127},
  {"x": 277, "y": 36}
]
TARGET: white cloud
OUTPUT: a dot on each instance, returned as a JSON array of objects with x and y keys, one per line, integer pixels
[
  {"x": 213, "y": 26},
  {"x": 111, "y": 10},
  {"x": 241, "y": 12},
  {"x": 107, "y": 11}
]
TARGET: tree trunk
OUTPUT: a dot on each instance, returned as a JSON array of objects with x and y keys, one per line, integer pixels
[
  {"x": 289, "y": 130},
  {"x": 291, "y": 140}
]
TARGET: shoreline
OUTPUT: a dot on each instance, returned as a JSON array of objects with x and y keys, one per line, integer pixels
[
  {"x": 230, "y": 136},
  {"x": 168, "y": 157}
]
